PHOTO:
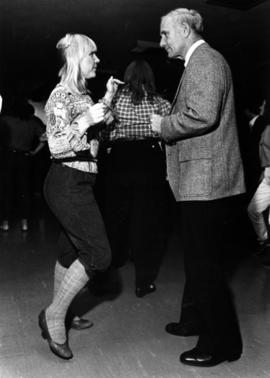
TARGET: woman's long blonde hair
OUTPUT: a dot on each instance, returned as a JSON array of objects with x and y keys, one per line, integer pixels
[{"x": 73, "y": 47}]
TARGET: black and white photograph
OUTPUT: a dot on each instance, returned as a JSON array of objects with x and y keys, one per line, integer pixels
[{"x": 134, "y": 188}]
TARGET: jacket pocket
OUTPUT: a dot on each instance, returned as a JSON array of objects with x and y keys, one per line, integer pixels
[
  {"x": 195, "y": 177},
  {"x": 195, "y": 148}
]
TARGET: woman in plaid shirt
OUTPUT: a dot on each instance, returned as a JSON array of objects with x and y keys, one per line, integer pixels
[{"x": 137, "y": 190}]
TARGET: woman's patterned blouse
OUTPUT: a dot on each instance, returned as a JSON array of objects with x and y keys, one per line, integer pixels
[{"x": 63, "y": 110}]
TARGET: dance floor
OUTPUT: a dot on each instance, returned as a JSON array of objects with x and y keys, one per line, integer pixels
[{"x": 128, "y": 338}]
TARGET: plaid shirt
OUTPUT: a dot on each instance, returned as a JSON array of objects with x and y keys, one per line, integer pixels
[{"x": 132, "y": 122}]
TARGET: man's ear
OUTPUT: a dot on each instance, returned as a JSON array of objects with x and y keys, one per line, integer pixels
[{"x": 186, "y": 29}]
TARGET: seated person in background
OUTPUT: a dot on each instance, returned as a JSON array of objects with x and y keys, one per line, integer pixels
[
  {"x": 137, "y": 198},
  {"x": 21, "y": 139}
]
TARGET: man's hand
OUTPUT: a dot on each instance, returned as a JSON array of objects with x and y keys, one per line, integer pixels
[{"x": 155, "y": 120}]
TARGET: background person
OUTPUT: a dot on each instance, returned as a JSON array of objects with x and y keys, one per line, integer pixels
[
  {"x": 257, "y": 122},
  {"x": 21, "y": 140},
  {"x": 137, "y": 195},
  {"x": 258, "y": 208}
]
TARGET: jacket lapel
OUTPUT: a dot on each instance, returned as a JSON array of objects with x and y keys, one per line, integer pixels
[{"x": 178, "y": 90}]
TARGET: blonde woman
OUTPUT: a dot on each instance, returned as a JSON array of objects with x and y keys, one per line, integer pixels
[{"x": 68, "y": 189}]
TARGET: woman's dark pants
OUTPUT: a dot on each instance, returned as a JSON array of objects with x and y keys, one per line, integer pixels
[{"x": 69, "y": 194}]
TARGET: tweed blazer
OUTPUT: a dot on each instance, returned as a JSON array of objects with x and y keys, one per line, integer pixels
[{"x": 203, "y": 155}]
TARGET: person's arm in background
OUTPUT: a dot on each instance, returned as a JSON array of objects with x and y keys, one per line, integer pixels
[
  {"x": 40, "y": 134},
  {"x": 265, "y": 153},
  {"x": 37, "y": 149},
  {"x": 165, "y": 107}
]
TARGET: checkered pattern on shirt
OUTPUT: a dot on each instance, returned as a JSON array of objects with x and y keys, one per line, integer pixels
[{"x": 133, "y": 121}]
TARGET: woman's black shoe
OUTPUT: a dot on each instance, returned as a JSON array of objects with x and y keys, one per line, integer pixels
[
  {"x": 60, "y": 350},
  {"x": 141, "y": 291}
]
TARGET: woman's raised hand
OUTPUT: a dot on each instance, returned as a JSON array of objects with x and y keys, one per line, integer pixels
[{"x": 112, "y": 85}]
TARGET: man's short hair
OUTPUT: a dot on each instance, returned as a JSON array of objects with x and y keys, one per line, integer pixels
[{"x": 190, "y": 16}]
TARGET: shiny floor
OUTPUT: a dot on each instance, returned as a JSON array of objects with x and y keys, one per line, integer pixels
[{"x": 128, "y": 338}]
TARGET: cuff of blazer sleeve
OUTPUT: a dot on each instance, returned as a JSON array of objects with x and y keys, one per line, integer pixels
[{"x": 165, "y": 129}]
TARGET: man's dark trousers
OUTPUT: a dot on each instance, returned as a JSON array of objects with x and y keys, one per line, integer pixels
[{"x": 207, "y": 299}]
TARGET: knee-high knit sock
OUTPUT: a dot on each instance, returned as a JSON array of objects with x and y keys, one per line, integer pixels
[
  {"x": 59, "y": 274},
  {"x": 74, "y": 280}
]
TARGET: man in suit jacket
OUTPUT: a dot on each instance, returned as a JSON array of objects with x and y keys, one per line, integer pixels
[{"x": 206, "y": 176}]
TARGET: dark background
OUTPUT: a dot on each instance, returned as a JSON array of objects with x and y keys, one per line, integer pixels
[{"x": 30, "y": 29}]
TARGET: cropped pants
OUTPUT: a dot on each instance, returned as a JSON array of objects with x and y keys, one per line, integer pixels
[{"x": 69, "y": 194}]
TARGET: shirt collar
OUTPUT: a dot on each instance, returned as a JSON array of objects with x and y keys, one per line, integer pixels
[
  {"x": 192, "y": 49},
  {"x": 253, "y": 120}
]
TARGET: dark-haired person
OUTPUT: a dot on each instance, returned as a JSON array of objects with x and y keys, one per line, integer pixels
[
  {"x": 137, "y": 192},
  {"x": 20, "y": 139},
  {"x": 206, "y": 176},
  {"x": 68, "y": 188}
]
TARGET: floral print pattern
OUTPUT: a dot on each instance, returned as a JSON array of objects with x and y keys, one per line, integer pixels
[{"x": 62, "y": 110}]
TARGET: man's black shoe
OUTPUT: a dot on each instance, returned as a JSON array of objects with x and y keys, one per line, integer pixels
[
  {"x": 183, "y": 329},
  {"x": 195, "y": 357}
]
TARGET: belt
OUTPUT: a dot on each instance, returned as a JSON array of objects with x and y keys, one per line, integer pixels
[
  {"x": 83, "y": 155},
  {"x": 133, "y": 141},
  {"x": 73, "y": 158}
]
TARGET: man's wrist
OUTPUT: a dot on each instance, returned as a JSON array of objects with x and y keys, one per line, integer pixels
[{"x": 159, "y": 128}]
